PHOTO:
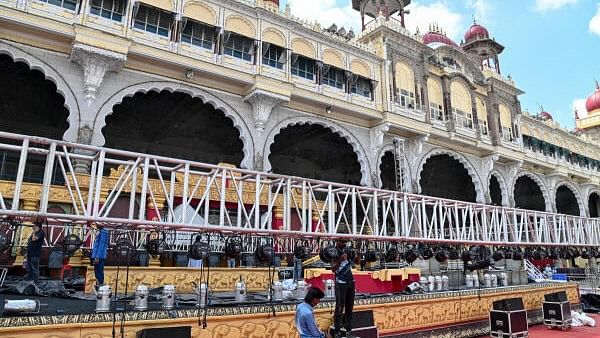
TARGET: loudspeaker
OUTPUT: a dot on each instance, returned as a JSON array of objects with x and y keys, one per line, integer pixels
[
  {"x": 508, "y": 318},
  {"x": 171, "y": 332},
  {"x": 363, "y": 325},
  {"x": 557, "y": 297},
  {"x": 509, "y": 304}
]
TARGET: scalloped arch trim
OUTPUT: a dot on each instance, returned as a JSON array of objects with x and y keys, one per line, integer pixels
[
  {"x": 575, "y": 192},
  {"x": 365, "y": 179},
  {"x": 158, "y": 86},
  {"x": 62, "y": 86},
  {"x": 539, "y": 182},
  {"x": 466, "y": 164},
  {"x": 503, "y": 186}
]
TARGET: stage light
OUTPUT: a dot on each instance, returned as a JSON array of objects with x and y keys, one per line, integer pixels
[
  {"x": 351, "y": 253},
  {"x": 517, "y": 254},
  {"x": 539, "y": 253},
  {"x": 465, "y": 256},
  {"x": 575, "y": 253},
  {"x": 553, "y": 254},
  {"x": 498, "y": 255},
  {"x": 200, "y": 249},
  {"x": 596, "y": 253},
  {"x": 233, "y": 246},
  {"x": 264, "y": 253},
  {"x": 453, "y": 253},
  {"x": 124, "y": 247},
  {"x": 441, "y": 254},
  {"x": 425, "y": 251},
  {"x": 302, "y": 250},
  {"x": 585, "y": 254},
  {"x": 392, "y": 254},
  {"x": 411, "y": 254},
  {"x": 70, "y": 244},
  {"x": 329, "y": 254},
  {"x": 155, "y": 245}
]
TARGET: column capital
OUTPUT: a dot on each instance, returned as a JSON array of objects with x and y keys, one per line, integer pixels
[
  {"x": 95, "y": 63},
  {"x": 263, "y": 103}
]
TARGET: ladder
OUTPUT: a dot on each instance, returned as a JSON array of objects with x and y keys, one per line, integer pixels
[
  {"x": 399, "y": 164},
  {"x": 532, "y": 271}
]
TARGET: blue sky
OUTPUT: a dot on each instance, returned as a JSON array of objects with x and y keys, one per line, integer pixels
[{"x": 552, "y": 46}]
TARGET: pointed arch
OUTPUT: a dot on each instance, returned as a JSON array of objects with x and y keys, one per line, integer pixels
[
  {"x": 539, "y": 182},
  {"x": 335, "y": 128},
  {"x": 51, "y": 74},
  {"x": 574, "y": 189},
  {"x": 477, "y": 183},
  {"x": 503, "y": 185},
  {"x": 238, "y": 122}
]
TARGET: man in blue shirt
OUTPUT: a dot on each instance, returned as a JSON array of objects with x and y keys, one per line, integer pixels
[
  {"x": 99, "y": 254},
  {"x": 344, "y": 292},
  {"x": 305, "y": 318}
]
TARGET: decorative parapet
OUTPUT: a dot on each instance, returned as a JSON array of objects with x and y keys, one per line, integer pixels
[
  {"x": 588, "y": 122},
  {"x": 392, "y": 24},
  {"x": 490, "y": 73}
]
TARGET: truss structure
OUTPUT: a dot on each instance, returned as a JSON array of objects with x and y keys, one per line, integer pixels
[{"x": 178, "y": 197}]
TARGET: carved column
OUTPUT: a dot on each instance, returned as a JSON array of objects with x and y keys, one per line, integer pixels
[
  {"x": 24, "y": 231},
  {"x": 487, "y": 164},
  {"x": 448, "y": 104},
  {"x": 263, "y": 103},
  {"x": 376, "y": 135},
  {"x": 96, "y": 62},
  {"x": 476, "y": 125},
  {"x": 425, "y": 98}
]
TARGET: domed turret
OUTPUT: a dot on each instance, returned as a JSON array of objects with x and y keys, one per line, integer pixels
[
  {"x": 544, "y": 115},
  {"x": 436, "y": 35},
  {"x": 475, "y": 32},
  {"x": 592, "y": 104}
]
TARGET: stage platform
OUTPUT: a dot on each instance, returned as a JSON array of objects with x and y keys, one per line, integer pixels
[{"x": 457, "y": 313}]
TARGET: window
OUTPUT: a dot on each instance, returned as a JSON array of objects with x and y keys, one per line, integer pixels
[
  {"x": 507, "y": 134},
  {"x": 273, "y": 55},
  {"x": 239, "y": 46},
  {"x": 462, "y": 119},
  {"x": 110, "y": 9},
  {"x": 436, "y": 111},
  {"x": 198, "y": 34},
  {"x": 153, "y": 20},
  {"x": 407, "y": 99},
  {"x": 66, "y": 4},
  {"x": 334, "y": 77},
  {"x": 362, "y": 87},
  {"x": 303, "y": 67},
  {"x": 484, "y": 127}
]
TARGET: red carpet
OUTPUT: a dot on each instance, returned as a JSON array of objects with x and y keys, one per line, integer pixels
[{"x": 541, "y": 331}]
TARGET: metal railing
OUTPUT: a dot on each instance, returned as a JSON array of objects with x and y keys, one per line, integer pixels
[{"x": 229, "y": 200}]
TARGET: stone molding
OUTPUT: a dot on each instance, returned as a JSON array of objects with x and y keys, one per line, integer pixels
[{"x": 263, "y": 103}]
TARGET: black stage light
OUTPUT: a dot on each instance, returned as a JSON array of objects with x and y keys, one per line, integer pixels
[
  {"x": 498, "y": 255},
  {"x": 453, "y": 253},
  {"x": 155, "y": 245},
  {"x": 70, "y": 244},
  {"x": 351, "y": 252},
  {"x": 585, "y": 253},
  {"x": 465, "y": 256},
  {"x": 200, "y": 249},
  {"x": 596, "y": 253},
  {"x": 441, "y": 254},
  {"x": 124, "y": 247},
  {"x": 539, "y": 253},
  {"x": 411, "y": 254},
  {"x": 553, "y": 253},
  {"x": 575, "y": 253},
  {"x": 392, "y": 254},
  {"x": 425, "y": 251},
  {"x": 264, "y": 253},
  {"x": 233, "y": 246},
  {"x": 517, "y": 254},
  {"x": 528, "y": 253},
  {"x": 329, "y": 254}
]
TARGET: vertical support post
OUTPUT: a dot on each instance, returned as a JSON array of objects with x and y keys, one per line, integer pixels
[
  {"x": 20, "y": 174},
  {"x": 47, "y": 177}
]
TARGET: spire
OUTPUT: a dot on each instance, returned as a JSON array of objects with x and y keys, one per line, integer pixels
[
  {"x": 597, "y": 85},
  {"x": 576, "y": 114}
]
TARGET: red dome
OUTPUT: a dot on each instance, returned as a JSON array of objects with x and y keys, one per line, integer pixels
[
  {"x": 476, "y": 32},
  {"x": 544, "y": 115},
  {"x": 593, "y": 102},
  {"x": 433, "y": 37}
]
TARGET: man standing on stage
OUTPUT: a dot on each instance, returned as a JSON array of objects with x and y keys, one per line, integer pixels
[
  {"x": 305, "y": 317},
  {"x": 99, "y": 252},
  {"x": 344, "y": 292},
  {"x": 34, "y": 251}
]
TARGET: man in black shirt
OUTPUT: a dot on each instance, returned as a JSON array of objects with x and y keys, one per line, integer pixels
[
  {"x": 344, "y": 292},
  {"x": 34, "y": 251}
]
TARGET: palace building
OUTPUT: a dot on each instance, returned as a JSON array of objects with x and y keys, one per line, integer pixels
[{"x": 247, "y": 86}]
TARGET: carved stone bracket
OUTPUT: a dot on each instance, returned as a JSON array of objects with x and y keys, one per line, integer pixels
[
  {"x": 414, "y": 148},
  {"x": 487, "y": 163},
  {"x": 95, "y": 63},
  {"x": 263, "y": 103},
  {"x": 376, "y": 135}
]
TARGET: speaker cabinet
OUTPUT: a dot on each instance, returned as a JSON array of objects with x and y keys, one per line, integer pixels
[
  {"x": 508, "y": 319},
  {"x": 171, "y": 332},
  {"x": 363, "y": 325},
  {"x": 557, "y": 310}
]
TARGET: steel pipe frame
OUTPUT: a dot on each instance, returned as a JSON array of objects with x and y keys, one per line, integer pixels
[{"x": 360, "y": 212}]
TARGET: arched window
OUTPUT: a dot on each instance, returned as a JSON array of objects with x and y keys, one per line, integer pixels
[
  {"x": 505, "y": 123},
  {"x": 405, "y": 86},
  {"x": 482, "y": 117},
  {"x": 461, "y": 105},
  {"x": 436, "y": 100}
]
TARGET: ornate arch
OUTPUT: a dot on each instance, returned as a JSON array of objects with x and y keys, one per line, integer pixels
[
  {"x": 539, "y": 182},
  {"x": 462, "y": 160},
  {"x": 238, "y": 122},
  {"x": 576, "y": 192},
  {"x": 407, "y": 174},
  {"x": 335, "y": 128},
  {"x": 51, "y": 74},
  {"x": 503, "y": 185}
]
